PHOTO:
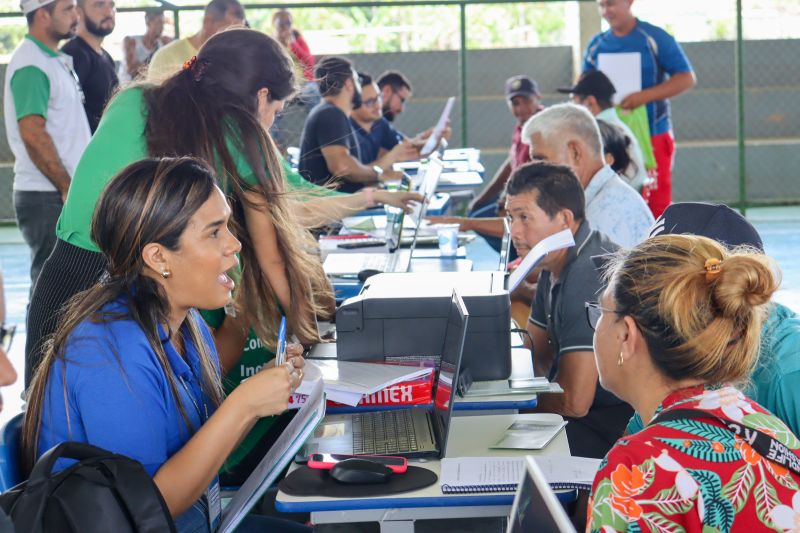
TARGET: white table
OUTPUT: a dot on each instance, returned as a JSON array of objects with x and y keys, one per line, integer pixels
[{"x": 469, "y": 437}]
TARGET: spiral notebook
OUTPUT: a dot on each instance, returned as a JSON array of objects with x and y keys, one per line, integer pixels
[{"x": 503, "y": 474}]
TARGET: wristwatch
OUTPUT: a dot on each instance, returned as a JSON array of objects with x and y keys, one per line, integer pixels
[{"x": 378, "y": 172}]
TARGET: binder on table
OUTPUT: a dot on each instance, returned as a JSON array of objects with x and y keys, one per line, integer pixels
[{"x": 503, "y": 474}]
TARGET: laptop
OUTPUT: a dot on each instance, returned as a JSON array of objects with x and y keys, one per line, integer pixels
[
  {"x": 536, "y": 507},
  {"x": 413, "y": 432},
  {"x": 395, "y": 260},
  {"x": 505, "y": 247}
]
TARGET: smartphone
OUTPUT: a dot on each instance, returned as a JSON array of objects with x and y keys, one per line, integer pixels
[{"x": 325, "y": 461}]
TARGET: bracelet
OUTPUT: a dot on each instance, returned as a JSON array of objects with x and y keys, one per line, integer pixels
[{"x": 369, "y": 195}]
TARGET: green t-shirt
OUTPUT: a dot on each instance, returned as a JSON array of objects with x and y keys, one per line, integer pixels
[
  {"x": 255, "y": 356},
  {"x": 118, "y": 142}
]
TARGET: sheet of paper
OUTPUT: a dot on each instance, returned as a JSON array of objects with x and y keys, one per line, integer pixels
[
  {"x": 360, "y": 378},
  {"x": 624, "y": 70},
  {"x": 279, "y": 455},
  {"x": 558, "y": 241},
  {"x": 530, "y": 434},
  {"x": 438, "y": 130}
]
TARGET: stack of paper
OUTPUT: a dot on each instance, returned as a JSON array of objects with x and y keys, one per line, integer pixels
[{"x": 347, "y": 382}]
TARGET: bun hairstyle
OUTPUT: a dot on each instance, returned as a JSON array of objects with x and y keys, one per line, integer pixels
[{"x": 700, "y": 306}]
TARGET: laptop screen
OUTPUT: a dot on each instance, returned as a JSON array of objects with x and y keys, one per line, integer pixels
[
  {"x": 427, "y": 186},
  {"x": 536, "y": 507},
  {"x": 447, "y": 380},
  {"x": 505, "y": 247}
]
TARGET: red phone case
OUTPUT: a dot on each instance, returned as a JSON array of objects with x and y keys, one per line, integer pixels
[{"x": 326, "y": 465}]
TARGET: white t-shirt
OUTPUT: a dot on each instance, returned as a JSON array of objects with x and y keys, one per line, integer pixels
[{"x": 66, "y": 121}]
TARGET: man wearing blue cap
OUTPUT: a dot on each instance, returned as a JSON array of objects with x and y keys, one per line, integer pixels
[{"x": 522, "y": 96}]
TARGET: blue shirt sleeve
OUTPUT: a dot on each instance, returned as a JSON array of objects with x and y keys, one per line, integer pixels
[
  {"x": 590, "y": 56},
  {"x": 390, "y": 137},
  {"x": 671, "y": 56}
]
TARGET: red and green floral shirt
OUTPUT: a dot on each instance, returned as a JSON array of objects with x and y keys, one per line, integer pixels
[{"x": 693, "y": 475}]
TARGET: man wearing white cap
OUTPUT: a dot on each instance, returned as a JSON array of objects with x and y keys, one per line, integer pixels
[{"x": 46, "y": 124}]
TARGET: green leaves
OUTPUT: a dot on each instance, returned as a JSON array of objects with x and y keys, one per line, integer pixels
[
  {"x": 669, "y": 501},
  {"x": 773, "y": 425},
  {"x": 705, "y": 450},
  {"x": 661, "y": 524},
  {"x": 766, "y": 500},
  {"x": 737, "y": 490}
]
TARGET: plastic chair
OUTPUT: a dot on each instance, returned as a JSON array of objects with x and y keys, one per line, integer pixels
[{"x": 9, "y": 453}]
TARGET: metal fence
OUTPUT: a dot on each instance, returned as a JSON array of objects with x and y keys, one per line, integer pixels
[{"x": 738, "y": 131}]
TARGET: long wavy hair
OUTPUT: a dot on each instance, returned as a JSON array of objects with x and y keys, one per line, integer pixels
[
  {"x": 208, "y": 110},
  {"x": 150, "y": 201}
]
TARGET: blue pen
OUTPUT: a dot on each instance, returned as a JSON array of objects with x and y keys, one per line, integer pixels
[{"x": 280, "y": 353}]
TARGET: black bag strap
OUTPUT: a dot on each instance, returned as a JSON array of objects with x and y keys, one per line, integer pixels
[{"x": 766, "y": 446}]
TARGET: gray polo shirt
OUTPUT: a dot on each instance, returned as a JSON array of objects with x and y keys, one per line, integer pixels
[{"x": 559, "y": 306}]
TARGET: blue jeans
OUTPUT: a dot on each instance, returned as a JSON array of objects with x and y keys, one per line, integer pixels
[
  {"x": 195, "y": 520},
  {"x": 37, "y": 215}
]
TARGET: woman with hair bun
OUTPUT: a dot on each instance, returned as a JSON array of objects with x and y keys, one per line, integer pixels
[{"x": 677, "y": 326}]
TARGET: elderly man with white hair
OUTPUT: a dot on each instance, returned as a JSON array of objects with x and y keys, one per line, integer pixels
[{"x": 567, "y": 134}]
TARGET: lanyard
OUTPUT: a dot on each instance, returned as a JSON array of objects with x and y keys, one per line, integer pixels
[{"x": 766, "y": 446}]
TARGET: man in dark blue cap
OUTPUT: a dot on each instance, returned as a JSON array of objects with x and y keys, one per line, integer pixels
[
  {"x": 522, "y": 95},
  {"x": 775, "y": 382}
]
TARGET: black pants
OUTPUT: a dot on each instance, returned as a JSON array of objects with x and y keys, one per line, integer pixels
[
  {"x": 595, "y": 434},
  {"x": 68, "y": 271},
  {"x": 37, "y": 214}
]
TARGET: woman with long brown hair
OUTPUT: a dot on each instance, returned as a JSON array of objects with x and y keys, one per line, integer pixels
[
  {"x": 133, "y": 368},
  {"x": 218, "y": 108}
]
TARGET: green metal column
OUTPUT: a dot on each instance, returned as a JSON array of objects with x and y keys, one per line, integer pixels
[
  {"x": 177, "y": 14},
  {"x": 462, "y": 72},
  {"x": 740, "y": 123}
]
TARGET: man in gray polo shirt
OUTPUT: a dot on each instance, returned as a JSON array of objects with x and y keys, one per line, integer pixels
[{"x": 543, "y": 199}]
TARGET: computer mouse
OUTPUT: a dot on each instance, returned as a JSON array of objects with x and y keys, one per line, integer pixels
[
  {"x": 367, "y": 273},
  {"x": 360, "y": 471}
]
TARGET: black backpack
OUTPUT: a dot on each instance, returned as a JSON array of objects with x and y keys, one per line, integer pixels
[{"x": 102, "y": 492}]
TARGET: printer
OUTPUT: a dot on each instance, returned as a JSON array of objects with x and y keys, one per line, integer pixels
[{"x": 404, "y": 315}]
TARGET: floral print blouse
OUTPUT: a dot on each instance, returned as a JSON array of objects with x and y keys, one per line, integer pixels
[{"x": 695, "y": 475}]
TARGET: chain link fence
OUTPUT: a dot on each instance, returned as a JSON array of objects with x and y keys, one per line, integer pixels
[{"x": 737, "y": 132}]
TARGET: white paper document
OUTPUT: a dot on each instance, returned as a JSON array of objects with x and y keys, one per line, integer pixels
[
  {"x": 279, "y": 455},
  {"x": 491, "y": 474},
  {"x": 532, "y": 434},
  {"x": 624, "y": 70},
  {"x": 438, "y": 130},
  {"x": 347, "y": 382},
  {"x": 558, "y": 241}
]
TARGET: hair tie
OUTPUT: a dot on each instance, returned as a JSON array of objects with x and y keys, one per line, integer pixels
[
  {"x": 189, "y": 63},
  {"x": 195, "y": 68},
  {"x": 713, "y": 268}
]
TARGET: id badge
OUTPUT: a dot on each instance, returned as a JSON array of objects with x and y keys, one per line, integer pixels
[{"x": 214, "y": 500}]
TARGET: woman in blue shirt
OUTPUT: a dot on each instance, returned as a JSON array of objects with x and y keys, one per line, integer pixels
[{"x": 132, "y": 367}]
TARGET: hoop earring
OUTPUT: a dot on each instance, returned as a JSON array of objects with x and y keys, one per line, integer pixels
[
  {"x": 165, "y": 273},
  {"x": 621, "y": 359}
]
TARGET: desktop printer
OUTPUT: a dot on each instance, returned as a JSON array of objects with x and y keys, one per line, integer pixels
[{"x": 404, "y": 315}]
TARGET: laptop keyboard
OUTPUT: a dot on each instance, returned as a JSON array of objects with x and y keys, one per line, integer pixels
[
  {"x": 384, "y": 432},
  {"x": 375, "y": 262}
]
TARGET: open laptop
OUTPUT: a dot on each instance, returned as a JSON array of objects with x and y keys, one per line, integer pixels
[
  {"x": 395, "y": 260},
  {"x": 505, "y": 247},
  {"x": 536, "y": 507},
  {"x": 413, "y": 432}
]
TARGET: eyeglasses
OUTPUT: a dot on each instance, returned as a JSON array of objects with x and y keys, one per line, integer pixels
[
  {"x": 369, "y": 102},
  {"x": 6, "y": 336},
  {"x": 593, "y": 313}
]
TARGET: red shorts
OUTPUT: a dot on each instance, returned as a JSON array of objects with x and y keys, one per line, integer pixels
[{"x": 660, "y": 196}]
